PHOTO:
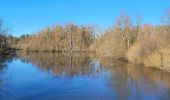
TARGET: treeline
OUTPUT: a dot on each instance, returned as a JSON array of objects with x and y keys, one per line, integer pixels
[{"x": 59, "y": 38}]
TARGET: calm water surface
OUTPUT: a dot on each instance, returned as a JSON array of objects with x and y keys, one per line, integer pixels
[{"x": 56, "y": 76}]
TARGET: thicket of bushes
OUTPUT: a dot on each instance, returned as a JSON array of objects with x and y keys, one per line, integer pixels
[
  {"x": 116, "y": 40},
  {"x": 138, "y": 43},
  {"x": 151, "y": 48}
]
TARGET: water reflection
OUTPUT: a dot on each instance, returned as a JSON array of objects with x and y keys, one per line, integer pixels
[
  {"x": 61, "y": 63},
  {"x": 4, "y": 61},
  {"x": 137, "y": 82},
  {"x": 77, "y": 76}
]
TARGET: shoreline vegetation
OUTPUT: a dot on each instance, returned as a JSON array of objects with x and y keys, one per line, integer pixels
[{"x": 127, "y": 38}]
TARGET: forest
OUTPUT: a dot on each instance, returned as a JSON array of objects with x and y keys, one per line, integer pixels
[{"x": 127, "y": 38}]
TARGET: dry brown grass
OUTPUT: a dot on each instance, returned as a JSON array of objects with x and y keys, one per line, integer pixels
[
  {"x": 160, "y": 59},
  {"x": 135, "y": 54}
]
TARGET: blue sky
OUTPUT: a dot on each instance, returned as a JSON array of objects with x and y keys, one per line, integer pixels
[{"x": 28, "y": 16}]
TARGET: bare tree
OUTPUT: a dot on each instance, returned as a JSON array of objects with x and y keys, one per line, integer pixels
[
  {"x": 3, "y": 41},
  {"x": 123, "y": 26}
]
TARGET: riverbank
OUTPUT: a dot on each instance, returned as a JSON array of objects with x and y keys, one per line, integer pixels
[
  {"x": 156, "y": 60},
  {"x": 7, "y": 52}
]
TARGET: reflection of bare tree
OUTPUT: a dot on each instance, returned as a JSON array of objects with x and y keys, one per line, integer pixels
[
  {"x": 60, "y": 63},
  {"x": 4, "y": 60},
  {"x": 157, "y": 76},
  {"x": 127, "y": 77},
  {"x": 119, "y": 78}
]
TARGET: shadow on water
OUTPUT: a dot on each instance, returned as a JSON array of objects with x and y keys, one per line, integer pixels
[{"x": 115, "y": 79}]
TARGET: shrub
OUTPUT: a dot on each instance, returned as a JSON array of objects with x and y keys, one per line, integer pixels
[{"x": 160, "y": 59}]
